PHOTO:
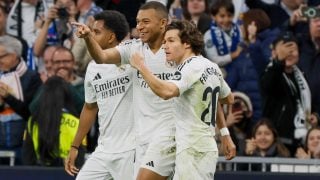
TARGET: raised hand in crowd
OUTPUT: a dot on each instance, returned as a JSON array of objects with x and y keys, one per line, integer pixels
[
  {"x": 297, "y": 16},
  {"x": 284, "y": 50},
  {"x": 302, "y": 154},
  {"x": 233, "y": 116},
  {"x": 251, "y": 146}
]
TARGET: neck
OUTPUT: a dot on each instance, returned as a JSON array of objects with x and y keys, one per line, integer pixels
[
  {"x": 2, "y": 32},
  {"x": 195, "y": 19},
  {"x": 156, "y": 45},
  {"x": 186, "y": 56}
]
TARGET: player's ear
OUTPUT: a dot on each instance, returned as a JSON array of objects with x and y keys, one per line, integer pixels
[
  {"x": 112, "y": 38},
  {"x": 163, "y": 23}
]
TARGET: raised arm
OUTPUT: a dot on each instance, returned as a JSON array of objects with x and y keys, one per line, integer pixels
[
  {"x": 107, "y": 56},
  {"x": 161, "y": 88}
]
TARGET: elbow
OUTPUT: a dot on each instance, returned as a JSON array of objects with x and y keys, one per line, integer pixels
[{"x": 166, "y": 95}]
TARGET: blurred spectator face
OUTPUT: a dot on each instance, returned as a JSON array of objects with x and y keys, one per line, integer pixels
[
  {"x": 293, "y": 4},
  {"x": 223, "y": 19},
  {"x": 62, "y": 61},
  {"x": 313, "y": 140},
  {"x": 293, "y": 56},
  {"x": 70, "y": 6},
  {"x": 47, "y": 59},
  {"x": 315, "y": 28},
  {"x": 196, "y": 7},
  {"x": 3, "y": 21},
  {"x": 264, "y": 137},
  {"x": 7, "y": 60},
  {"x": 101, "y": 34},
  {"x": 149, "y": 25}
]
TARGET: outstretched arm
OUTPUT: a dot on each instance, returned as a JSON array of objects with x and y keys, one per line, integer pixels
[
  {"x": 161, "y": 88},
  {"x": 107, "y": 56}
]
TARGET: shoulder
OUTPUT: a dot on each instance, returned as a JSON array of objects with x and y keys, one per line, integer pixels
[{"x": 131, "y": 42}]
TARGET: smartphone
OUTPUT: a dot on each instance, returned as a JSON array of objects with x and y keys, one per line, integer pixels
[
  {"x": 236, "y": 107},
  {"x": 310, "y": 12}
]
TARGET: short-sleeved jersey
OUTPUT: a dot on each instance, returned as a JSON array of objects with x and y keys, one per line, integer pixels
[
  {"x": 153, "y": 116},
  {"x": 200, "y": 84},
  {"x": 110, "y": 86}
]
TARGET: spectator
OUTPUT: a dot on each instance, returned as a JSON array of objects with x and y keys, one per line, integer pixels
[
  {"x": 310, "y": 58},
  {"x": 243, "y": 74},
  {"x": 265, "y": 143},
  {"x": 56, "y": 29},
  {"x": 287, "y": 98},
  {"x": 239, "y": 120},
  {"x": 198, "y": 12},
  {"x": 278, "y": 13},
  {"x": 22, "y": 18},
  {"x": 52, "y": 127},
  {"x": 222, "y": 39},
  {"x": 3, "y": 32},
  {"x": 87, "y": 10},
  {"x": 46, "y": 70},
  {"x": 312, "y": 145},
  {"x": 17, "y": 88}
]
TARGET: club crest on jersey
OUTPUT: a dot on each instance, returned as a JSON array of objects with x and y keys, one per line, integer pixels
[{"x": 177, "y": 76}]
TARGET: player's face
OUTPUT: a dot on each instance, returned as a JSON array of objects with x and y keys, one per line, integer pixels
[
  {"x": 174, "y": 49},
  {"x": 101, "y": 34},
  {"x": 150, "y": 26},
  {"x": 313, "y": 140},
  {"x": 264, "y": 137},
  {"x": 223, "y": 19}
]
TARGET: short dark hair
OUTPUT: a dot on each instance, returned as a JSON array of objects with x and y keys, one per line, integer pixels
[
  {"x": 186, "y": 13},
  {"x": 286, "y": 36},
  {"x": 62, "y": 48},
  {"x": 227, "y": 4},
  {"x": 157, "y": 6},
  {"x": 189, "y": 34},
  {"x": 114, "y": 21}
]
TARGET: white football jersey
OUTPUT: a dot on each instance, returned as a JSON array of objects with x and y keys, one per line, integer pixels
[
  {"x": 110, "y": 86},
  {"x": 200, "y": 84},
  {"x": 153, "y": 116}
]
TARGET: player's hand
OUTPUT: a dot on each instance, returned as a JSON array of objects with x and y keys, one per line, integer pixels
[
  {"x": 69, "y": 166},
  {"x": 137, "y": 61},
  {"x": 228, "y": 147},
  {"x": 83, "y": 31}
]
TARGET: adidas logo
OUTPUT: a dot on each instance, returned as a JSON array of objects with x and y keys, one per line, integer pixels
[
  {"x": 97, "y": 76},
  {"x": 150, "y": 164}
]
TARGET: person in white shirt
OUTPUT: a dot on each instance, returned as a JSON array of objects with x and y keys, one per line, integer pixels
[
  {"x": 108, "y": 91},
  {"x": 198, "y": 84},
  {"x": 153, "y": 116}
]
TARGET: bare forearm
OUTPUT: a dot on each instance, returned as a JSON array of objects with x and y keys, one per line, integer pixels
[
  {"x": 221, "y": 121},
  {"x": 161, "y": 88},
  {"x": 87, "y": 118},
  {"x": 41, "y": 40},
  {"x": 94, "y": 49}
]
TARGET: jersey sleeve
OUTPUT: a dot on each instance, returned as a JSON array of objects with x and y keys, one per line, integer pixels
[
  {"x": 126, "y": 49},
  {"x": 224, "y": 90},
  {"x": 89, "y": 92},
  {"x": 186, "y": 77}
]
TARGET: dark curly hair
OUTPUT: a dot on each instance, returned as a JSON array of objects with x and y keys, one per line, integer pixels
[{"x": 189, "y": 34}]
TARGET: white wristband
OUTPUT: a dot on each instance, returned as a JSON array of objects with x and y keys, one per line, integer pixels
[{"x": 224, "y": 131}]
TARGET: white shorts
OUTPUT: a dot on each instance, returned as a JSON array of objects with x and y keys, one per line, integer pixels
[
  {"x": 107, "y": 166},
  {"x": 191, "y": 165},
  {"x": 158, "y": 156}
]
